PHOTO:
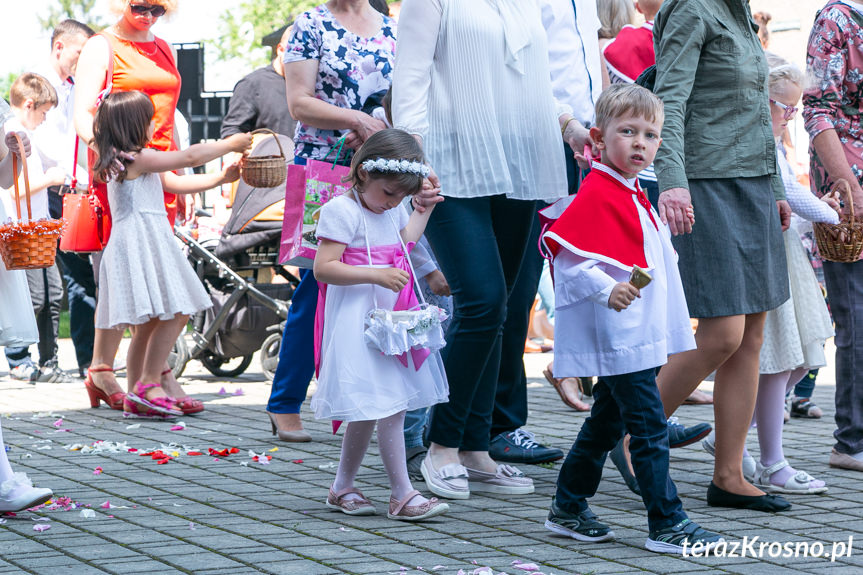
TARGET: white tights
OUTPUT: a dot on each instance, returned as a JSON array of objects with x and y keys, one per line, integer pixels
[
  {"x": 769, "y": 414},
  {"x": 391, "y": 442},
  {"x": 5, "y": 468}
]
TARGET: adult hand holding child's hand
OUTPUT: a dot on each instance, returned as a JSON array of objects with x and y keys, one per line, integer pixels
[
  {"x": 438, "y": 284},
  {"x": 623, "y": 294},
  {"x": 675, "y": 209},
  {"x": 393, "y": 279}
]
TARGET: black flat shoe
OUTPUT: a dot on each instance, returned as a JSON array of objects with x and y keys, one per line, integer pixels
[
  {"x": 618, "y": 457},
  {"x": 717, "y": 497}
]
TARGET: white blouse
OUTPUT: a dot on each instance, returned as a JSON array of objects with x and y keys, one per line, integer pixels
[{"x": 472, "y": 79}]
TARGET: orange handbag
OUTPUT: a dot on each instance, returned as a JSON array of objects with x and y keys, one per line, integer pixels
[{"x": 84, "y": 217}]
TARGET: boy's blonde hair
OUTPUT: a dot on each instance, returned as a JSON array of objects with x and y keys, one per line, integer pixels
[
  {"x": 781, "y": 70},
  {"x": 34, "y": 87},
  {"x": 620, "y": 99}
]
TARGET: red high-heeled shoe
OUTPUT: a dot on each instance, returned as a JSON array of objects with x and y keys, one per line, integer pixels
[{"x": 114, "y": 401}]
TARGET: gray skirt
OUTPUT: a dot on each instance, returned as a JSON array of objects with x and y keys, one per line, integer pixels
[{"x": 733, "y": 262}]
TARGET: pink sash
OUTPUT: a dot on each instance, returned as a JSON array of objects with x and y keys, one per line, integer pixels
[{"x": 393, "y": 255}]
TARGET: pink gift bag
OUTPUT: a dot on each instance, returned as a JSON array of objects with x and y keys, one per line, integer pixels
[{"x": 307, "y": 189}]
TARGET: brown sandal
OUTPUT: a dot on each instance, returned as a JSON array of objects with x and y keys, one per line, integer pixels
[{"x": 577, "y": 405}]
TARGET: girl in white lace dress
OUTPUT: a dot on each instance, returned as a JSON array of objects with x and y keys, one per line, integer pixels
[
  {"x": 795, "y": 332},
  {"x": 362, "y": 265},
  {"x": 17, "y": 328},
  {"x": 145, "y": 281}
]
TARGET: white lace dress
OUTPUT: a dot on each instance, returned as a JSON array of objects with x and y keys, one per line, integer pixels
[
  {"x": 795, "y": 332},
  {"x": 17, "y": 321},
  {"x": 144, "y": 273}
]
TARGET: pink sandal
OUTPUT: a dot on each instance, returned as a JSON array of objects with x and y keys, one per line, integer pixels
[
  {"x": 188, "y": 405},
  {"x": 353, "y": 506},
  {"x": 135, "y": 404},
  {"x": 401, "y": 511}
]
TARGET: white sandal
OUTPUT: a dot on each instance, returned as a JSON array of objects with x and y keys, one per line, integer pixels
[{"x": 799, "y": 483}]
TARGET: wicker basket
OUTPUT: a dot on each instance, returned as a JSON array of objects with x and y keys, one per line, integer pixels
[
  {"x": 265, "y": 171},
  {"x": 840, "y": 242},
  {"x": 28, "y": 245}
]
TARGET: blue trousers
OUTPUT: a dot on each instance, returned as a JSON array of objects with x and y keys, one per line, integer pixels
[
  {"x": 623, "y": 403},
  {"x": 297, "y": 353}
]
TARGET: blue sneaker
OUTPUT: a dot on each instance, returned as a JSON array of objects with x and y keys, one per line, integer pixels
[
  {"x": 520, "y": 446},
  {"x": 680, "y": 436},
  {"x": 688, "y": 533},
  {"x": 584, "y": 526}
]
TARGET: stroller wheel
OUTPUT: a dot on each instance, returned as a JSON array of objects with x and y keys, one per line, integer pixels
[
  {"x": 179, "y": 356},
  {"x": 224, "y": 366},
  {"x": 270, "y": 355}
]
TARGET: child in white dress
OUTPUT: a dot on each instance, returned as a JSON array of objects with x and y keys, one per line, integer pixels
[
  {"x": 361, "y": 265},
  {"x": 144, "y": 279},
  {"x": 795, "y": 332},
  {"x": 17, "y": 328}
]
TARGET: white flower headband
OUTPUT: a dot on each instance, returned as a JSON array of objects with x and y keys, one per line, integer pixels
[{"x": 397, "y": 166}]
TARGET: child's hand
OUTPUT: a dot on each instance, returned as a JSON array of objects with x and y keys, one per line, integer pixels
[
  {"x": 392, "y": 279},
  {"x": 622, "y": 295},
  {"x": 832, "y": 200},
  {"x": 55, "y": 176},
  {"x": 240, "y": 142},
  {"x": 438, "y": 284},
  {"x": 231, "y": 173}
]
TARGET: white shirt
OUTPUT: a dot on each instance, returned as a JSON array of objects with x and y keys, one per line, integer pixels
[
  {"x": 593, "y": 339},
  {"x": 39, "y": 200},
  {"x": 55, "y": 137},
  {"x": 572, "y": 27},
  {"x": 472, "y": 79}
]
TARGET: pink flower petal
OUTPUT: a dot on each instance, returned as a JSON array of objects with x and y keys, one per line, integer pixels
[
  {"x": 239, "y": 391},
  {"x": 41, "y": 527},
  {"x": 97, "y": 471},
  {"x": 106, "y": 505},
  {"x": 58, "y": 423},
  {"x": 178, "y": 428},
  {"x": 223, "y": 392}
]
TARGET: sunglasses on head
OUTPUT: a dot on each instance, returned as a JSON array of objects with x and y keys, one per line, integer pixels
[
  {"x": 155, "y": 10},
  {"x": 787, "y": 111}
]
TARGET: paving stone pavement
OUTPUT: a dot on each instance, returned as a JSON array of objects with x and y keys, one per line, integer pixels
[{"x": 231, "y": 515}]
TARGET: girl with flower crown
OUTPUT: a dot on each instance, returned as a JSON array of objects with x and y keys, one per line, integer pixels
[{"x": 362, "y": 265}]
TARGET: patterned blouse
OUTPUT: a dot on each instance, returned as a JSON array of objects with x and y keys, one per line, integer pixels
[
  {"x": 353, "y": 71},
  {"x": 833, "y": 100}
]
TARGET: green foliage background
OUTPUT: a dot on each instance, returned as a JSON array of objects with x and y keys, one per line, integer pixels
[{"x": 80, "y": 10}]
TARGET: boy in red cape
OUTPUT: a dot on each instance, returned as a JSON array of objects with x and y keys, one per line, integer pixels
[{"x": 607, "y": 327}]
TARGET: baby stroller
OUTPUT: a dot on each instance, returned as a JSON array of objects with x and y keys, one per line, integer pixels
[{"x": 237, "y": 271}]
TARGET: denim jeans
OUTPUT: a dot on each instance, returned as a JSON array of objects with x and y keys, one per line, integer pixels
[
  {"x": 845, "y": 292},
  {"x": 510, "y": 400},
  {"x": 806, "y": 386},
  {"x": 479, "y": 244},
  {"x": 416, "y": 422},
  {"x": 623, "y": 403},
  {"x": 297, "y": 352}
]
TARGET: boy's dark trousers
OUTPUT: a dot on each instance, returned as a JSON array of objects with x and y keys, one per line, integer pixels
[{"x": 627, "y": 403}]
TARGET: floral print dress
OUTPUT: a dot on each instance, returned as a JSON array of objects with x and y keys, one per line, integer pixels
[
  {"x": 353, "y": 71},
  {"x": 833, "y": 100}
]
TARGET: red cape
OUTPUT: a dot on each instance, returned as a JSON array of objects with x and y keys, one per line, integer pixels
[
  {"x": 631, "y": 52},
  {"x": 602, "y": 223}
]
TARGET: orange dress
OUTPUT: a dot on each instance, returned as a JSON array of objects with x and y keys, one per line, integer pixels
[{"x": 149, "y": 67}]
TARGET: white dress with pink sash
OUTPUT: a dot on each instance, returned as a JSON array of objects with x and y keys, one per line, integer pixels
[{"x": 355, "y": 381}]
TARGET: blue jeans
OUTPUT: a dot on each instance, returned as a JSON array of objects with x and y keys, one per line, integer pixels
[
  {"x": 479, "y": 244},
  {"x": 623, "y": 403},
  {"x": 415, "y": 426},
  {"x": 806, "y": 386},
  {"x": 297, "y": 352}
]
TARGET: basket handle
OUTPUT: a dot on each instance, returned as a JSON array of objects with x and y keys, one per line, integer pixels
[
  {"x": 275, "y": 137},
  {"x": 26, "y": 179},
  {"x": 842, "y": 183}
]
